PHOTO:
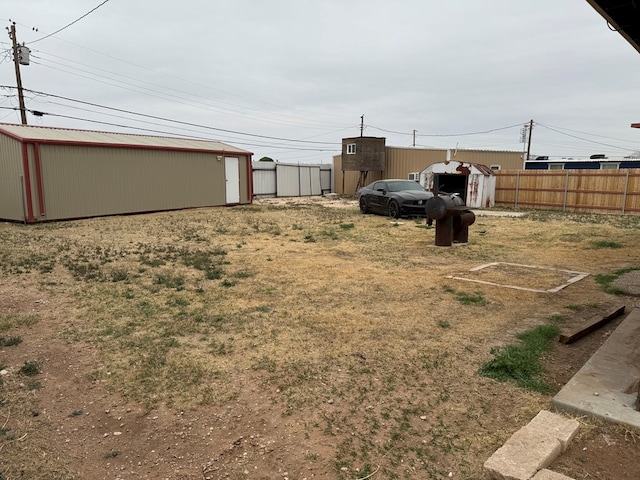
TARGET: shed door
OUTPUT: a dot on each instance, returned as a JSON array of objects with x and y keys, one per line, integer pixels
[{"x": 232, "y": 177}]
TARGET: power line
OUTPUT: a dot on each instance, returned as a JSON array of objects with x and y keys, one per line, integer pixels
[
  {"x": 39, "y": 114},
  {"x": 234, "y": 139},
  {"x": 594, "y": 134},
  {"x": 183, "y": 80},
  {"x": 206, "y": 127},
  {"x": 448, "y": 134},
  {"x": 69, "y": 24},
  {"x": 581, "y": 138},
  {"x": 172, "y": 97}
]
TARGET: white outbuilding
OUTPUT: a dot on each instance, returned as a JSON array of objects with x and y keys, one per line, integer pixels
[{"x": 475, "y": 183}]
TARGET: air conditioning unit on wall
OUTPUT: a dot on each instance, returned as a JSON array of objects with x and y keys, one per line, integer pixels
[{"x": 414, "y": 176}]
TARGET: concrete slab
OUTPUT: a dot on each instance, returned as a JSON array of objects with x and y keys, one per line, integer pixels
[
  {"x": 496, "y": 213},
  {"x": 549, "y": 475},
  {"x": 599, "y": 386}
]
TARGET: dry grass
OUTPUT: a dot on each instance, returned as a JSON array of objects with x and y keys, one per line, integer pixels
[{"x": 344, "y": 319}]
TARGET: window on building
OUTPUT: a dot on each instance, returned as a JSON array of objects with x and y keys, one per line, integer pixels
[
  {"x": 556, "y": 166},
  {"x": 495, "y": 167},
  {"x": 610, "y": 166},
  {"x": 351, "y": 148}
]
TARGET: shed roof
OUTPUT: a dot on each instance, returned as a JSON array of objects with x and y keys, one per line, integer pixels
[
  {"x": 454, "y": 166},
  {"x": 67, "y": 136}
]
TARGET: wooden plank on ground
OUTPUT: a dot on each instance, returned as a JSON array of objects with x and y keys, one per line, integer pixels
[{"x": 591, "y": 325}]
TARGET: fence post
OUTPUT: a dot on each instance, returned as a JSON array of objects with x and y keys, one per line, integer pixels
[
  {"x": 566, "y": 189},
  {"x": 517, "y": 187},
  {"x": 626, "y": 190}
]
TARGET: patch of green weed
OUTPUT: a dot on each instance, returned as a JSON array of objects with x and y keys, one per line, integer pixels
[
  {"x": 606, "y": 244},
  {"x": 606, "y": 280},
  {"x": 14, "y": 320},
  {"x": 521, "y": 363},
  {"x": 10, "y": 342},
  {"x": 170, "y": 281},
  {"x": 30, "y": 368}
]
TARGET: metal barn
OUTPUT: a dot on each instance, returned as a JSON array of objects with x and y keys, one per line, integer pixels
[
  {"x": 475, "y": 183},
  {"x": 54, "y": 174},
  {"x": 408, "y": 162}
]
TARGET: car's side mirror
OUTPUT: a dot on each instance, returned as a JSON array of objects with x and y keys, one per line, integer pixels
[{"x": 382, "y": 190}]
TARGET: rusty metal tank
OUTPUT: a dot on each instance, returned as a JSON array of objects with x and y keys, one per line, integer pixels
[{"x": 452, "y": 217}]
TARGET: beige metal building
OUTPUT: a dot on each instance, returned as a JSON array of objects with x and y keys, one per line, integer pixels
[
  {"x": 400, "y": 162},
  {"x": 54, "y": 174}
]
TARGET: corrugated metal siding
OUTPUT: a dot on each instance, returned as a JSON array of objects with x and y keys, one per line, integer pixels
[
  {"x": 506, "y": 160},
  {"x": 297, "y": 180},
  {"x": 35, "y": 204},
  {"x": 288, "y": 180},
  {"x": 11, "y": 197},
  {"x": 402, "y": 161},
  {"x": 325, "y": 179},
  {"x": 264, "y": 179},
  {"x": 94, "y": 181},
  {"x": 245, "y": 176},
  {"x": 310, "y": 181}
]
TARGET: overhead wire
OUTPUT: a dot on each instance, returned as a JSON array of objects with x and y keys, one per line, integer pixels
[
  {"x": 258, "y": 114},
  {"x": 208, "y": 87},
  {"x": 191, "y": 131},
  {"x": 198, "y": 134},
  {"x": 70, "y": 24},
  {"x": 269, "y": 118},
  {"x": 39, "y": 114},
  {"x": 591, "y": 134},
  {"x": 449, "y": 134},
  {"x": 581, "y": 138},
  {"x": 156, "y": 117}
]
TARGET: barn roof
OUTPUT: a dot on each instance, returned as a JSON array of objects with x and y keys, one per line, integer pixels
[{"x": 67, "y": 136}]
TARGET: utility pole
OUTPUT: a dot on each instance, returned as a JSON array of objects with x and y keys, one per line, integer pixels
[
  {"x": 414, "y": 138},
  {"x": 362, "y": 125},
  {"x": 16, "y": 61},
  {"x": 529, "y": 141}
]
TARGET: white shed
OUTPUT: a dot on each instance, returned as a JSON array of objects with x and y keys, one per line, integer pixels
[{"x": 475, "y": 183}]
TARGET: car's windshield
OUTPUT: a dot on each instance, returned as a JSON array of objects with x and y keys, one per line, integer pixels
[{"x": 400, "y": 185}]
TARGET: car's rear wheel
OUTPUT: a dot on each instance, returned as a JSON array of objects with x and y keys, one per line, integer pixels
[
  {"x": 363, "y": 205},
  {"x": 394, "y": 209}
]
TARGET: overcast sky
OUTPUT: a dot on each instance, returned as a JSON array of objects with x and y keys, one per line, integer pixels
[{"x": 281, "y": 70}]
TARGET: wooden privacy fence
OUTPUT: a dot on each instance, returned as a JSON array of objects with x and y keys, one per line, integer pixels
[{"x": 614, "y": 191}]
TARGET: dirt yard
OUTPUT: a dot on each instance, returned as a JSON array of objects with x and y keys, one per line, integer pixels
[{"x": 290, "y": 339}]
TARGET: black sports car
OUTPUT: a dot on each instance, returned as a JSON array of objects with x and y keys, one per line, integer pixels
[{"x": 394, "y": 198}]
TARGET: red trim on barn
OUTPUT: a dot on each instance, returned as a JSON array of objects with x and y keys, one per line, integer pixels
[
  {"x": 249, "y": 179},
  {"x": 73, "y": 143},
  {"x": 27, "y": 183},
  {"x": 36, "y": 149},
  {"x": 635, "y": 125},
  {"x": 11, "y": 135}
]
